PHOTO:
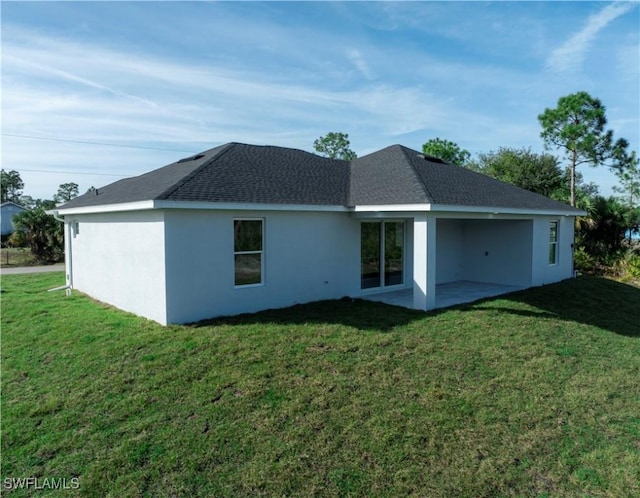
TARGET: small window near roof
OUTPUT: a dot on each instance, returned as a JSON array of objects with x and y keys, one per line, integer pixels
[
  {"x": 248, "y": 251},
  {"x": 553, "y": 243},
  {"x": 75, "y": 227}
]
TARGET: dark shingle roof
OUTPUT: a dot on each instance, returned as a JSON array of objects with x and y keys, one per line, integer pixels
[
  {"x": 267, "y": 175},
  {"x": 148, "y": 186},
  {"x": 398, "y": 175},
  {"x": 240, "y": 173}
]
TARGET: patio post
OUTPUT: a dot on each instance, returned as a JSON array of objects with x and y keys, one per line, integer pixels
[{"x": 424, "y": 262}]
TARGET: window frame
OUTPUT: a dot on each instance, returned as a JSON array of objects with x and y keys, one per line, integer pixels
[
  {"x": 554, "y": 243},
  {"x": 261, "y": 252}
]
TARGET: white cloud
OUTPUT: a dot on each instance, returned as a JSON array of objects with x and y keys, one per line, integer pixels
[
  {"x": 570, "y": 55},
  {"x": 359, "y": 62}
]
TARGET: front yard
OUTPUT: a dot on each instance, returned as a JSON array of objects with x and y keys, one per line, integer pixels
[{"x": 534, "y": 394}]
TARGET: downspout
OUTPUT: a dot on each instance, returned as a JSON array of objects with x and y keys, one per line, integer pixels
[{"x": 66, "y": 230}]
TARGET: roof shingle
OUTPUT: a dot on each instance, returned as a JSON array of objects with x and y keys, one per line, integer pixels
[{"x": 241, "y": 173}]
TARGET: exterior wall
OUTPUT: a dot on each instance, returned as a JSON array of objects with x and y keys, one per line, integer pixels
[
  {"x": 542, "y": 271},
  {"x": 9, "y": 210},
  {"x": 309, "y": 256},
  {"x": 449, "y": 251},
  {"x": 118, "y": 258},
  {"x": 177, "y": 266},
  {"x": 496, "y": 251}
]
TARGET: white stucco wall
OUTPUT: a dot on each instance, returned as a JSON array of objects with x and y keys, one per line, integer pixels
[
  {"x": 496, "y": 251},
  {"x": 177, "y": 265},
  {"x": 449, "y": 251},
  {"x": 309, "y": 256},
  {"x": 118, "y": 258},
  {"x": 543, "y": 272}
]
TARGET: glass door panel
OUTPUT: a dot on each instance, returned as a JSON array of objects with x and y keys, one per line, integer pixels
[
  {"x": 393, "y": 253},
  {"x": 370, "y": 261}
]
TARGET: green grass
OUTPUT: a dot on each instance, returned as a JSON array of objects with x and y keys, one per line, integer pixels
[{"x": 535, "y": 394}]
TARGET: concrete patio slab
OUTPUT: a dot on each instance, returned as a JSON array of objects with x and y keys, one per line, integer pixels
[{"x": 448, "y": 294}]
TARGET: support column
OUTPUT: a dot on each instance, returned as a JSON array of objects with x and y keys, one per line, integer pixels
[{"x": 424, "y": 262}]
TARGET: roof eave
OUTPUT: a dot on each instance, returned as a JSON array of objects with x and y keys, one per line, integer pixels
[
  {"x": 199, "y": 205},
  {"x": 106, "y": 208},
  {"x": 568, "y": 211},
  {"x": 453, "y": 208}
]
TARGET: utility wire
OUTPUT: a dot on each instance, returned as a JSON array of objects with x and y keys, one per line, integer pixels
[{"x": 91, "y": 143}]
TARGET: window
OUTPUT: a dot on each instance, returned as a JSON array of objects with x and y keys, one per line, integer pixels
[
  {"x": 248, "y": 252},
  {"x": 75, "y": 228},
  {"x": 553, "y": 243}
]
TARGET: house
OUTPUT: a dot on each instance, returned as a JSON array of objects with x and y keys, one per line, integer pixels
[
  {"x": 8, "y": 211},
  {"x": 242, "y": 228}
]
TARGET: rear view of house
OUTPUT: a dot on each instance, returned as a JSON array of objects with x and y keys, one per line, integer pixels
[{"x": 241, "y": 228}]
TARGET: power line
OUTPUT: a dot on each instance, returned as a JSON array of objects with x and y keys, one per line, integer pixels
[
  {"x": 91, "y": 143},
  {"x": 70, "y": 172}
]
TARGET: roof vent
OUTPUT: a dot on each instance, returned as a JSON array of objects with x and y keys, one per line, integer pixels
[
  {"x": 192, "y": 158},
  {"x": 433, "y": 159}
]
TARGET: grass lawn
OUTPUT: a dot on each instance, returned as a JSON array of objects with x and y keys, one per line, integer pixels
[{"x": 535, "y": 394}]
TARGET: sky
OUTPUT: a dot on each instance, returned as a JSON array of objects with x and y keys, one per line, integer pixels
[{"x": 159, "y": 81}]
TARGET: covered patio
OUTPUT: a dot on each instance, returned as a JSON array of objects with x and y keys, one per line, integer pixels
[{"x": 448, "y": 294}]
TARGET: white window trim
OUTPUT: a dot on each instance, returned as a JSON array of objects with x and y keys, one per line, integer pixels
[
  {"x": 556, "y": 243},
  {"x": 261, "y": 252}
]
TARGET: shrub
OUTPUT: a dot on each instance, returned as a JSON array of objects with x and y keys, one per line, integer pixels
[
  {"x": 628, "y": 268},
  {"x": 583, "y": 261}
]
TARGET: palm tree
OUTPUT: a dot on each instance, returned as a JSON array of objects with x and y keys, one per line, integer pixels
[
  {"x": 601, "y": 233},
  {"x": 42, "y": 233}
]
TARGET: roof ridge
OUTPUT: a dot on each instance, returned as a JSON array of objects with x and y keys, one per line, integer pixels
[
  {"x": 167, "y": 192},
  {"x": 421, "y": 182}
]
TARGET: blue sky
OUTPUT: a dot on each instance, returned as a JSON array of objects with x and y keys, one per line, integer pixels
[{"x": 187, "y": 76}]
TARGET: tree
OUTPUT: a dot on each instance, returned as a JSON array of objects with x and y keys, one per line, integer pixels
[
  {"x": 601, "y": 233},
  {"x": 446, "y": 150},
  {"x": 335, "y": 145},
  {"x": 41, "y": 232},
  {"x": 30, "y": 203},
  {"x": 630, "y": 181},
  {"x": 11, "y": 186},
  {"x": 577, "y": 126},
  {"x": 538, "y": 173},
  {"x": 66, "y": 192},
  {"x": 27, "y": 201},
  {"x": 630, "y": 189}
]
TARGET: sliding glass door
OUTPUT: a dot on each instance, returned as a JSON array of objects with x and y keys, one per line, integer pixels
[
  {"x": 393, "y": 253},
  {"x": 370, "y": 261},
  {"x": 381, "y": 254}
]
